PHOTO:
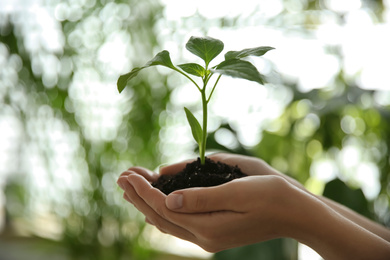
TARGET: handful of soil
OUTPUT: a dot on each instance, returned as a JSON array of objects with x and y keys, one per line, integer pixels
[{"x": 196, "y": 175}]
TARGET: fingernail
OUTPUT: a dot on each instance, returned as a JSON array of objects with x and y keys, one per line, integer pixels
[{"x": 174, "y": 201}]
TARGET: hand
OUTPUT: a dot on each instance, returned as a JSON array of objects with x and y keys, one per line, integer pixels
[
  {"x": 241, "y": 212},
  {"x": 262, "y": 206}
]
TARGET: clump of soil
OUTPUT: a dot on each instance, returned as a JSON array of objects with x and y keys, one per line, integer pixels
[{"x": 196, "y": 175}]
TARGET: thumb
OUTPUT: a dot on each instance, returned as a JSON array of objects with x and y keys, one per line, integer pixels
[{"x": 200, "y": 200}]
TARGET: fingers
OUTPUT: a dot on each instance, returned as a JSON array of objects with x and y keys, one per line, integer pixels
[
  {"x": 143, "y": 189},
  {"x": 152, "y": 215},
  {"x": 248, "y": 165},
  {"x": 202, "y": 200},
  {"x": 221, "y": 156},
  {"x": 146, "y": 173},
  {"x": 154, "y": 199}
]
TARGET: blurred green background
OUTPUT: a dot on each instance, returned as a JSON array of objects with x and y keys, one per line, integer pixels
[{"x": 66, "y": 134}]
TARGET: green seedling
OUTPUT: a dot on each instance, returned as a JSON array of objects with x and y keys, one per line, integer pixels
[{"x": 207, "y": 49}]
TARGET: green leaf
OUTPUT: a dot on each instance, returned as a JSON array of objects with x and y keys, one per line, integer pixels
[
  {"x": 195, "y": 126},
  {"x": 258, "y": 51},
  {"x": 206, "y": 48},
  {"x": 193, "y": 69},
  {"x": 239, "y": 69},
  {"x": 123, "y": 79},
  {"x": 162, "y": 58}
]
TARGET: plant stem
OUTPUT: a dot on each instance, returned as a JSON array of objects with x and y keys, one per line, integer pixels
[
  {"x": 202, "y": 149},
  {"x": 205, "y": 101},
  {"x": 212, "y": 91}
]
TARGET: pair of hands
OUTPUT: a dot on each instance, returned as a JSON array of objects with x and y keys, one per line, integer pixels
[
  {"x": 256, "y": 208},
  {"x": 265, "y": 205}
]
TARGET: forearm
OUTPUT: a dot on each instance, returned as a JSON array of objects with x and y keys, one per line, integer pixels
[
  {"x": 334, "y": 236},
  {"x": 364, "y": 222},
  {"x": 360, "y": 220}
]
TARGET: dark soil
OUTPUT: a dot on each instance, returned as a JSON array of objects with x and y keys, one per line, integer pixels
[{"x": 197, "y": 175}]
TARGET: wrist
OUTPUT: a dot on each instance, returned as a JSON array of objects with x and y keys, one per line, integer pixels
[
  {"x": 312, "y": 222},
  {"x": 290, "y": 210},
  {"x": 299, "y": 213}
]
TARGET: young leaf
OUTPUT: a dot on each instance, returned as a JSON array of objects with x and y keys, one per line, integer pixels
[
  {"x": 239, "y": 69},
  {"x": 193, "y": 69},
  {"x": 123, "y": 79},
  {"x": 162, "y": 58},
  {"x": 258, "y": 51},
  {"x": 206, "y": 48},
  {"x": 195, "y": 126}
]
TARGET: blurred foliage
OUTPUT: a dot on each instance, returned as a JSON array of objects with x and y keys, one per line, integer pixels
[
  {"x": 273, "y": 249},
  {"x": 94, "y": 223},
  {"x": 54, "y": 115},
  {"x": 354, "y": 199}
]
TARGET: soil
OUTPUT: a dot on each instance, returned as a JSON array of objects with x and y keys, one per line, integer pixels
[{"x": 196, "y": 175}]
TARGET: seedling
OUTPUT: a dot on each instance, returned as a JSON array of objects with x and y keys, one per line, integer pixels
[{"x": 207, "y": 49}]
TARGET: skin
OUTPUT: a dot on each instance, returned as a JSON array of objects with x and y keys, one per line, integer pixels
[{"x": 265, "y": 205}]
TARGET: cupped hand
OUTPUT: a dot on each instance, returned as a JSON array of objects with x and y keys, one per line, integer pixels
[
  {"x": 262, "y": 206},
  {"x": 237, "y": 213}
]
